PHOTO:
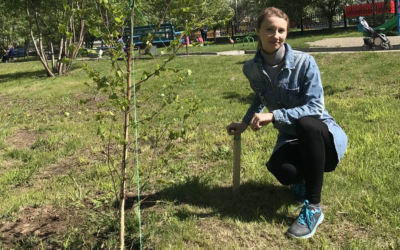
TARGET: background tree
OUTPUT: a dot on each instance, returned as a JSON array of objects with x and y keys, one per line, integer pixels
[
  {"x": 296, "y": 10},
  {"x": 71, "y": 31},
  {"x": 13, "y": 27},
  {"x": 329, "y": 9},
  {"x": 194, "y": 14},
  {"x": 43, "y": 19},
  {"x": 383, "y": 16},
  {"x": 374, "y": 21},
  {"x": 220, "y": 13},
  {"x": 214, "y": 13},
  {"x": 150, "y": 12},
  {"x": 245, "y": 10},
  {"x": 53, "y": 28},
  {"x": 107, "y": 19}
]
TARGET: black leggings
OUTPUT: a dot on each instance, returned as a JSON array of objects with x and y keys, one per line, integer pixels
[{"x": 306, "y": 158}]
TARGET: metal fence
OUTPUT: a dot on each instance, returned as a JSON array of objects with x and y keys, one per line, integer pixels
[{"x": 310, "y": 22}]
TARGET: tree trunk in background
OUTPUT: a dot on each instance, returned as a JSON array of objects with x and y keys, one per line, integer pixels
[
  {"x": 39, "y": 45},
  {"x": 373, "y": 14},
  {"x": 301, "y": 26},
  {"x": 385, "y": 5}
]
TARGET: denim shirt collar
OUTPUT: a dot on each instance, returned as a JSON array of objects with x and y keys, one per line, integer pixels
[{"x": 289, "y": 59}]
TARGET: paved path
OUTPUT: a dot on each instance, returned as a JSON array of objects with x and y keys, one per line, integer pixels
[
  {"x": 348, "y": 42},
  {"x": 332, "y": 45}
]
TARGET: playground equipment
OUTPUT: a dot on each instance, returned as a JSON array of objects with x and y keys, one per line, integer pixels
[
  {"x": 373, "y": 39},
  {"x": 388, "y": 25},
  {"x": 243, "y": 40},
  {"x": 367, "y": 9},
  {"x": 247, "y": 39}
]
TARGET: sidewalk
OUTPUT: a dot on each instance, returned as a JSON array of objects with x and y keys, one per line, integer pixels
[{"x": 336, "y": 45}]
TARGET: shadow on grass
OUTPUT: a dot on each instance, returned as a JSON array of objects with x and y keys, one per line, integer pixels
[
  {"x": 242, "y": 99},
  {"x": 242, "y": 62},
  {"x": 330, "y": 90},
  {"x": 255, "y": 201},
  {"x": 22, "y": 75}
]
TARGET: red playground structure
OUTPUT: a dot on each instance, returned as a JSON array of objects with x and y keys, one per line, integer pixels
[{"x": 367, "y": 9}]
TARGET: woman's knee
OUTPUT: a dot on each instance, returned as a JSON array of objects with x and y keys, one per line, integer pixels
[
  {"x": 310, "y": 126},
  {"x": 306, "y": 123},
  {"x": 284, "y": 177}
]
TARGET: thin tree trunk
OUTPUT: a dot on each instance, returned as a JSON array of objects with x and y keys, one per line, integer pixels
[
  {"x": 385, "y": 5},
  {"x": 65, "y": 68},
  {"x": 39, "y": 48},
  {"x": 126, "y": 139},
  {"x": 62, "y": 48},
  {"x": 373, "y": 13},
  {"x": 53, "y": 64}
]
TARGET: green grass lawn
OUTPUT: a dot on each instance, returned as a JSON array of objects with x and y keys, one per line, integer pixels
[{"x": 57, "y": 188}]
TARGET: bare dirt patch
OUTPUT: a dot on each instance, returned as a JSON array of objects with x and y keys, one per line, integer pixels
[
  {"x": 61, "y": 167},
  {"x": 22, "y": 139},
  {"x": 41, "y": 222}
]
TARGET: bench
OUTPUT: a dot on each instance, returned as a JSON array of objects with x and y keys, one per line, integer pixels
[
  {"x": 164, "y": 35},
  {"x": 19, "y": 52}
]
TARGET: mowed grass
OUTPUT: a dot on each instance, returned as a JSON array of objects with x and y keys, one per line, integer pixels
[{"x": 52, "y": 158}]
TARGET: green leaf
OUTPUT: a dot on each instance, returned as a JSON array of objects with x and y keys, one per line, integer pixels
[
  {"x": 165, "y": 101},
  {"x": 66, "y": 60},
  {"x": 68, "y": 34}
]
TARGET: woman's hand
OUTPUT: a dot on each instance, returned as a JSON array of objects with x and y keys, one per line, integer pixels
[
  {"x": 260, "y": 120},
  {"x": 236, "y": 128}
]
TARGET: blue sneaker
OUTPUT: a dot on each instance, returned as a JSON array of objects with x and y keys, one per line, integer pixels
[
  {"x": 298, "y": 191},
  {"x": 307, "y": 222}
]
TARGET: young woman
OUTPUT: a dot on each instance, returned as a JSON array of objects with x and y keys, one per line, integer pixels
[{"x": 310, "y": 142}]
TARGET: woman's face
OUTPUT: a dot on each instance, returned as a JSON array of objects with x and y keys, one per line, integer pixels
[{"x": 272, "y": 33}]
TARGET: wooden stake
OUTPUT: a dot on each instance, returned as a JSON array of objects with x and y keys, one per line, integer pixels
[{"x": 236, "y": 163}]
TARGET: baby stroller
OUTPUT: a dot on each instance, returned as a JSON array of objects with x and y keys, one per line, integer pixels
[{"x": 373, "y": 38}]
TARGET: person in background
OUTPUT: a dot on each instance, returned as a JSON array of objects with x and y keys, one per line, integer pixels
[
  {"x": 9, "y": 53},
  {"x": 310, "y": 142},
  {"x": 121, "y": 41},
  {"x": 203, "y": 32},
  {"x": 200, "y": 40}
]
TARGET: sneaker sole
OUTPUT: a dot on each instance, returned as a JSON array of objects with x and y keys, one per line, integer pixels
[{"x": 320, "y": 219}]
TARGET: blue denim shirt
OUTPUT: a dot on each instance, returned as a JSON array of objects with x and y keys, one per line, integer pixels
[{"x": 295, "y": 92}]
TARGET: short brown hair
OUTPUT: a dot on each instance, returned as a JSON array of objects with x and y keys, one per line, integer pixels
[
  {"x": 268, "y": 12},
  {"x": 272, "y": 11}
]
